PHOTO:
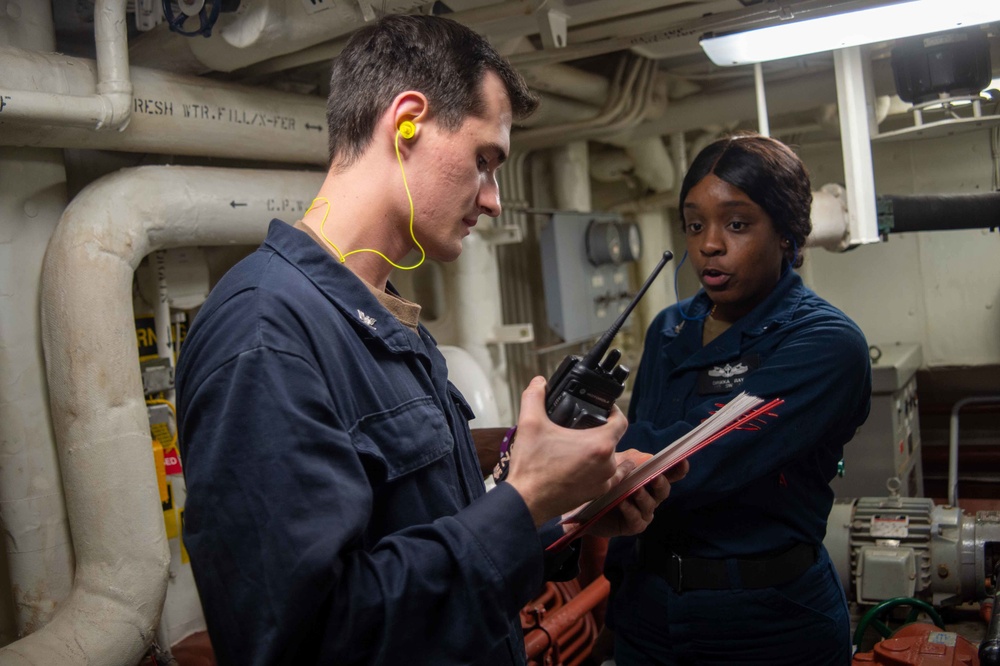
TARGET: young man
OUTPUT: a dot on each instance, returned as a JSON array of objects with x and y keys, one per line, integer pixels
[{"x": 336, "y": 512}]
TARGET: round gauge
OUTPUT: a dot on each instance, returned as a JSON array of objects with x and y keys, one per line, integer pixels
[
  {"x": 632, "y": 247},
  {"x": 604, "y": 243}
]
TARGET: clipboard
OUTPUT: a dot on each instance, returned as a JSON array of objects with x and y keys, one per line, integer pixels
[{"x": 738, "y": 412}]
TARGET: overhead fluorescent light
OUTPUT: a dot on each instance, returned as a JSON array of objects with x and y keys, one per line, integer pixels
[{"x": 854, "y": 28}]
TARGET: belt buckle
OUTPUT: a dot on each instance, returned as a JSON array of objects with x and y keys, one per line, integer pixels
[{"x": 675, "y": 563}]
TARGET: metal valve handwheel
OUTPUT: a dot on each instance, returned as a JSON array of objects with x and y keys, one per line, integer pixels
[
  {"x": 877, "y": 616},
  {"x": 183, "y": 16}
]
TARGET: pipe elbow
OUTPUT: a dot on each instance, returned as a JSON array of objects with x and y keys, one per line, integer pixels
[{"x": 116, "y": 99}]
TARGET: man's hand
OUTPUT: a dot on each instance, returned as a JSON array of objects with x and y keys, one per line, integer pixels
[
  {"x": 556, "y": 469},
  {"x": 636, "y": 513}
]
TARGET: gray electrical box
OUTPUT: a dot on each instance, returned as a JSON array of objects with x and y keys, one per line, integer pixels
[
  {"x": 585, "y": 272},
  {"x": 887, "y": 446}
]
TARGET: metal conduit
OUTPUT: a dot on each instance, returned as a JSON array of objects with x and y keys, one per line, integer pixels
[{"x": 953, "y": 441}]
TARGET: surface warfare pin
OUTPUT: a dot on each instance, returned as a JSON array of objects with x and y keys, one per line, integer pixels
[{"x": 366, "y": 320}]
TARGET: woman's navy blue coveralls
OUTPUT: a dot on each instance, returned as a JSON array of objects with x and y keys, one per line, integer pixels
[{"x": 708, "y": 581}]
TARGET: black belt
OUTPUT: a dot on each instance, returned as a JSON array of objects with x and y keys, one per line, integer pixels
[{"x": 697, "y": 573}]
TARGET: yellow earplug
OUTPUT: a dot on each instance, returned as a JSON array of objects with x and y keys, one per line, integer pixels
[{"x": 407, "y": 129}]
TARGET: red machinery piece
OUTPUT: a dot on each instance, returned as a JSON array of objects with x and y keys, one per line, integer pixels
[
  {"x": 920, "y": 644},
  {"x": 559, "y": 627}
]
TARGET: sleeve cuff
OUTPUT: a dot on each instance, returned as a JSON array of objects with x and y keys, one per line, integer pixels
[{"x": 502, "y": 524}]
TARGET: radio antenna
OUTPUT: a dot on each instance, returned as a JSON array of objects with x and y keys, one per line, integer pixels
[{"x": 594, "y": 356}]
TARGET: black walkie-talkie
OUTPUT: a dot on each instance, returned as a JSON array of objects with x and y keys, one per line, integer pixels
[{"x": 582, "y": 391}]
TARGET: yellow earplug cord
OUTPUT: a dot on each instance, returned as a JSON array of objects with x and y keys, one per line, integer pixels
[{"x": 343, "y": 257}]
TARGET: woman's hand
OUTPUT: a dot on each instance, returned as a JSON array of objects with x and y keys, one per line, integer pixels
[{"x": 636, "y": 513}]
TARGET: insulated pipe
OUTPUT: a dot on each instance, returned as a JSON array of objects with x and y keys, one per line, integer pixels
[
  {"x": 555, "y": 111},
  {"x": 800, "y": 94},
  {"x": 39, "y": 553},
  {"x": 477, "y": 281},
  {"x": 173, "y": 114},
  {"x": 678, "y": 150},
  {"x": 97, "y": 403},
  {"x": 569, "y": 82},
  {"x": 38, "y": 558},
  {"x": 502, "y": 21},
  {"x": 111, "y": 105},
  {"x": 624, "y": 110},
  {"x": 941, "y": 212},
  {"x": 830, "y": 226},
  {"x": 571, "y": 177},
  {"x": 269, "y": 28},
  {"x": 653, "y": 164},
  {"x": 655, "y": 229}
]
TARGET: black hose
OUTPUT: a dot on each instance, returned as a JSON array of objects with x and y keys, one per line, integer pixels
[{"x": 939, "y": 212}]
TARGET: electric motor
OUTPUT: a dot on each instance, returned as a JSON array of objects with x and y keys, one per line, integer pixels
[{"x": 886, "y": 547}]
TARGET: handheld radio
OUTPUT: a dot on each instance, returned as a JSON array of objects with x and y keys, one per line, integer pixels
[{"x": 582, "y": 391}]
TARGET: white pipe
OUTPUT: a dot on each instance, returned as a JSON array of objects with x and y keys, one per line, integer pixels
[
  {"x": 709, "y": 135},
  {"x": 632, "y": 94},
  {"x": 111, "y": 42},
  {"x": 161, "y": 315},
  {"x": 477, "y": 281},
  {"x": 829, "y": 216},
  {"x": 110, "y": 107},
  {"x": 700, "y": 111},
  {"x": 953, "y": 442},
  {"x": 553, "y": 111},
  {"x": 270, "y": 28},
  {"x": 38, "y": 571},
  {"x": 610, "y": 165},
  {"x": 330, "y": 48},
  {"x": 39, "y": 553},
  {"x": 173, "y": 114},
  {"x": 571, "y": 177},
  {"x": 29, "y": 26},
  {"x": 568, "y": 82},
  {"x": 763, "y": 128},
  {"x": 97, "y": 404},
  {"x": 655, "y": 229},
  {"x": 547, "y": 136},
  {"x": 678, "y": 150},
  {"x": 653, "y": 165}
]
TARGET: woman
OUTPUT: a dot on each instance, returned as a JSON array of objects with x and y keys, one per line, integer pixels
[{"x": 732, "y": 569}]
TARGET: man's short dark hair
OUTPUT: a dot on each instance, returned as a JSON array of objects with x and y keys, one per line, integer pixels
[{"x": 440, "y": 58}]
